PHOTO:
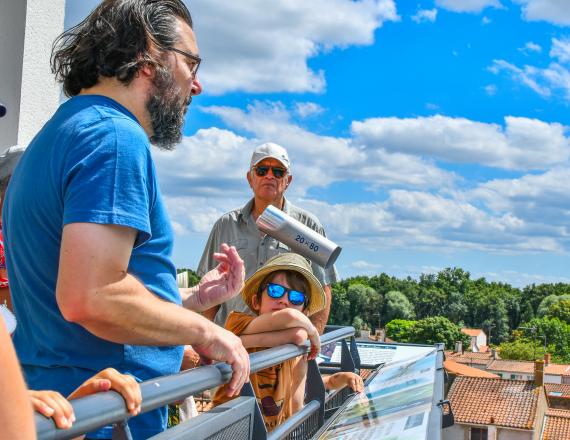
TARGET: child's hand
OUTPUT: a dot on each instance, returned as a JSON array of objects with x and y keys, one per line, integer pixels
[
  {"x": 54, "y": 405},
  {"x": 315, "y": 340},
  {"x": 345, "y": 378},
  {"x": 111, "y": 379}
]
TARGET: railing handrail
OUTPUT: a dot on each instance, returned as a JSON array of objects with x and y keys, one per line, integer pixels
[{"x": 98, "y": 410}]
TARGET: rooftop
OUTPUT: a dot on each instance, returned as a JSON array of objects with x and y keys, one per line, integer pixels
[
  {"x": 469, "y": 357},
  {"x": 556, "y": 425},
  {"x": 562, "y": 390},
  {"x": 464, "y": 370},
  {"x": 472, "y": 331},
  {"x": 511, "y": 366},
  {"x": 482, "y": 401}
]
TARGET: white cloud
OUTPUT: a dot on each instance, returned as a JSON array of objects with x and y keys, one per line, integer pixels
[
  {"x": 486, "y": 20},
  {"x": 307, "y": 109},
  {"x": 543, "y": 81},
  {"x": 425, "y": 15},
  {"x": 467, "y": 5},
  {"x": 561, "y": 50},
  {"x": 343, "y": 158},
  {"x": 272, "y": 55},
  {"x": 491, "y": 89},
  {"x": 366, "y": 265},
  {"x": 554, "y": 11},
  {"x": 522, "y": 144},
  {"x": 530, "y": 47},
  {"x": 247, "y": 50}
]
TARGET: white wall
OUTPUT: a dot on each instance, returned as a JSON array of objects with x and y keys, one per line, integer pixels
[
  {"x": 455, "y": 432},
  {"x": 28, "y": 29}
]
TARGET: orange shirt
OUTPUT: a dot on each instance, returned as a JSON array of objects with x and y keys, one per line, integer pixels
[{"x": 272, "y": 386}]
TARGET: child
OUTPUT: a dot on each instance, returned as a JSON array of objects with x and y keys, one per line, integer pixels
[{"x": 282, "y": 293}]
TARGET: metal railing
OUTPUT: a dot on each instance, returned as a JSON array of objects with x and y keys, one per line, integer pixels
[{"x": 108, "y": 408}]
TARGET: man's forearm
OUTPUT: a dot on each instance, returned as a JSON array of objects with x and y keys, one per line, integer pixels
[
  {"x": 321, "y": 318},
  {"x": 126, "y": 312}
]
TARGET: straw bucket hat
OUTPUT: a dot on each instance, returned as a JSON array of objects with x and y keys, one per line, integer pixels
[{"x": 286, "y": 261}]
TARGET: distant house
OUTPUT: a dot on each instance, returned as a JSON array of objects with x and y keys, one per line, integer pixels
[
  {"x": 495, "y": 409},
  {"x": 478, "y": 339},
  {"x": 558, "y": 396},
  {"x": 524, "y": 370},
  {"x": 475, "y": 360},
  {"x": 456, "y": 369}
]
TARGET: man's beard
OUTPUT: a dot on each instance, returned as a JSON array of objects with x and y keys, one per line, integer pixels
[{"x": 167, "y": 110}]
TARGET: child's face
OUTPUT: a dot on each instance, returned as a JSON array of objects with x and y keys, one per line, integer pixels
[{"x": 269, "y": 304}]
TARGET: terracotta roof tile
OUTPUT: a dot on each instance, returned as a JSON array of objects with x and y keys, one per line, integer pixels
[
  {"x": 557, "y": 369},
  {"x": 463, "y": 370},
  {"x": 512, "y": 366},
  {"x": 509, "y": 403},
  {"x": 469, "y": 357},
  {"x": 472, "y": 331},
  {"x": 564, "y": 389},
  {"x": 558, "y": 412},
  {"x": 556, "y": 428}
]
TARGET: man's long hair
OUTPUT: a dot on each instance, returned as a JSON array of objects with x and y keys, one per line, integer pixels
[{"x": 116, "y": 40}]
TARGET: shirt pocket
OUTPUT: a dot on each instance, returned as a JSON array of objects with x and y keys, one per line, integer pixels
[{"x": 239, "y": 244}]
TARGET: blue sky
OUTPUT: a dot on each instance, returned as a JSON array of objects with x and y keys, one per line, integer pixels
[{"x": 423, "y": 134}]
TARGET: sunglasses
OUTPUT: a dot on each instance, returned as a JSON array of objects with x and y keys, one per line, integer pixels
[
  {"x": 262, "y": 170},
  {"x": 277, "y": 291}
]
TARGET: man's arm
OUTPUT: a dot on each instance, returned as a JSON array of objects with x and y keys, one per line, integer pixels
[
  {"x": 321, "y": 318},
  {"x": 95, "y": 291},
  {"x": 16, "y": 414}
]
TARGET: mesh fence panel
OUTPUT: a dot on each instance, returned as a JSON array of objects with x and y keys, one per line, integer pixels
[
  {"x": 307, "y": 429},
  {"x": 237, "y": 431}
]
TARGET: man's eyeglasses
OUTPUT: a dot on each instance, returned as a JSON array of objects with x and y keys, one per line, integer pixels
[
  {"x": 195, "y": 60},
  {"x": 276, "y": 291},
  {"x": 262, "y": 170}
]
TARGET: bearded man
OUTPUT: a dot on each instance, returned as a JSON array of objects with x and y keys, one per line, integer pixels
[{"x": 87, "y": 234}]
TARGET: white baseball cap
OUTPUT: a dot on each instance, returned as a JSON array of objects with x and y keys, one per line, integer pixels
[{"x": 269, "y": 149}]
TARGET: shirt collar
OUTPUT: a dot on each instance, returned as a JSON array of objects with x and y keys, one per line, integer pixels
[{"x": 245, "y": 212}]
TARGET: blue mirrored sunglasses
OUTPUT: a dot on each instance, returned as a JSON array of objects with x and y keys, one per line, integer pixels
[{"x": 277, "y": 291}]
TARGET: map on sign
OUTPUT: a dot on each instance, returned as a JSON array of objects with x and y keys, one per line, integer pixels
[{"x": 395, "y": 405}]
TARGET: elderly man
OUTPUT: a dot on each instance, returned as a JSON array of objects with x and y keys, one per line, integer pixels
[
  {"x": 269, "y": 176},
  {"x": 88, "y": 239}
]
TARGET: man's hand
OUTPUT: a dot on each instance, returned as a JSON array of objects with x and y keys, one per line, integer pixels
[
  {"x": 111, "y": 379},
  {"x": 224, "y": 346},
  {"x": 220, "y": 284}
]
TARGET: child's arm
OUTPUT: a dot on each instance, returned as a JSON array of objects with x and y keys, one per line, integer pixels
[
  {"x": 282, "y": 320},
  {"x": 299, "y": 380},
  {"x": 277, "y": 337},
  {"x": 342, "y": 379}
]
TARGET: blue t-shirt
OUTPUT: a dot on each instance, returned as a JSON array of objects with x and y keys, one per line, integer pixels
[{"x": 91, "y": 163}]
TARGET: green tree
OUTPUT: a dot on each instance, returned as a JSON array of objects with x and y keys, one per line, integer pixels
[
  {"x": 400, "y": 330},
  {"x": 340, "y": 306},
  {"x": 397, "y": 306},
  {"x": 364, "y": 302},
  {"x": 358, "y": 325},
  {"x": 560, "y": 310},
  {"x": 438, "y": 329},
  {"x": 524, "y": 349},
  {"x": 556, "y": 332},
  {"x": 547, "y": 302}
]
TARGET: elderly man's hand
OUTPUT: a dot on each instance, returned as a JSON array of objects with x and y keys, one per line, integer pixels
[{"x": 224, "y": 281}]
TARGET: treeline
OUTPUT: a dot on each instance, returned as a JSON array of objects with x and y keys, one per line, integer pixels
[{"x": 524, "y": 323}]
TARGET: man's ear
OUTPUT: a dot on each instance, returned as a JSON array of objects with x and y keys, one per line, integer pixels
[
  {"x": 248, "y": 176},
  {"x": 146, "y": 71},
  {"x": 289, "y": 179}
]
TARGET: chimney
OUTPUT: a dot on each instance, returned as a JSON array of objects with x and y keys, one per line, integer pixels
[
  {"x": 494, "y": 353},
  {"x": 539, "y": 373},
  {"x": 546, "y": 359},
  {"x": 458, "y": 347}
]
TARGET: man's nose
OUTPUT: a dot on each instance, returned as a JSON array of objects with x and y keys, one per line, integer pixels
[{"x": 196, "y": 87}]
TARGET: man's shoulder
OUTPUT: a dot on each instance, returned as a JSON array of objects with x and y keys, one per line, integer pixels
[
  {"x": 231, "y": 217},
  {"x": 304, "y": 216}
]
